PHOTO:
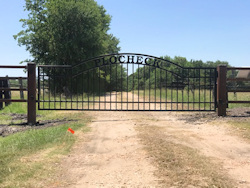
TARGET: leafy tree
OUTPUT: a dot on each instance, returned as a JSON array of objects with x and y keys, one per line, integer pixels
[
  {"x": 66, "y": 31},
  {"x": 172, "y": 75}
]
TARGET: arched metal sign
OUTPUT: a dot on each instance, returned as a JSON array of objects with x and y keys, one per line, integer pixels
[{"x": 127, "y": 82}]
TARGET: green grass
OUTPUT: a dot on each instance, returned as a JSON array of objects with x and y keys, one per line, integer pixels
[
  {"x": 180, "y": 95},
  {"x": 26, "y": 143},
  {"x": 14, "y": 172},
  {"x": 188, "y": 98},
  {"x": 238, "y": 97},
  {"x": 17, "y": 107},
  {"x": 21, "y": 108},
  {"x": 50, "y": 101},
  {"x": 196, "y": 96}
]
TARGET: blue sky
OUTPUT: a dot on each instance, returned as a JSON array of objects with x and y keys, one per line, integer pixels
[{"x": 195, "y": 29}]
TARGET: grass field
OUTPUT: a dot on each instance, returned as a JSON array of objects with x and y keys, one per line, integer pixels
[
  {"x": 187, "y": 99},
  {"x": 27, "y": 158},
  {"x": 180, "y": 95},
  {"x": 239, "y": 97},
  {"x": 202, "y": 96}
]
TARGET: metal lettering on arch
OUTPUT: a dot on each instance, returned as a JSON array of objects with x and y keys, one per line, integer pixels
[{"x": 127, "y": 82}]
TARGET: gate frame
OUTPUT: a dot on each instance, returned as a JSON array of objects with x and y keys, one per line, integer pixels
[{"x": 132, "y": 58}]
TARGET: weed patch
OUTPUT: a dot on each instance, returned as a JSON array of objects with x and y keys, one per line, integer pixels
[
  {"x": 179, "y": 165},
  {"x": 242, "y": 128}
]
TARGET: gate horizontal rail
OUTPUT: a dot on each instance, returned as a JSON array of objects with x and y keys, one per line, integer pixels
[
  {"x": 13, "y": 100},
  {"x": 12, "y": 67},
  {"x": 13, "y": 89},
  {"x": 12, "y": 78}
]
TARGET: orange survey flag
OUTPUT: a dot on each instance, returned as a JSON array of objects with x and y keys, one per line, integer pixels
[{"x": 70, "y": 130}]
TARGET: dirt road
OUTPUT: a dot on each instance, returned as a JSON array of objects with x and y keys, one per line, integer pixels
[
  {"x": 112, "y": 156},
  {"x": 113, "y": 153}
]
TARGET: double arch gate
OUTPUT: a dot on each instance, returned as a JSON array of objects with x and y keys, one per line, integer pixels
[{"x": 126, "y": 82}]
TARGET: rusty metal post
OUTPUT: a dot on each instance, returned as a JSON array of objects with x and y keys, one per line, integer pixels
[
  {"x": 31, "y": 93},
  {"x": 222, "y": 90}
]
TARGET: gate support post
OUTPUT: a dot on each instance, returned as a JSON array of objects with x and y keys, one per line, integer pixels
[
  {"x": 222, "y": 90},
  {"x": 31, "y": 93},
  {"x": 1, "y": 94}
]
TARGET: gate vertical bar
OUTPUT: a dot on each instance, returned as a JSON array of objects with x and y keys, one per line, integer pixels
[
  {"x": 155, "y": 88},
  {"x": 144, "y": 82},
  {"x": 215, "y": 88},
  {"x": 31, "y": 93},
  {"x": 71, "y": 87},
  {"x": 222, "y": 90},
  {"x": 121, "y": 87},
  {"x": 105, "y": 87},
  {"x": 160, "y": 89},
  {"x": 54, "y": 85},
  {"x": 49, "y": 77},
  {"x": 138, "y": 87},
  {"x": 39, "y": 88},
  {"x": 177, "y": 88},
  {"x": 43, "y": 87},
  {"x": 210, "y": 89},
  {"x": 188, "y": 75},
  {"x": 88, "y": 89},
  {"x": 127, "y": 86},
  {"x": 149, "y": 85},
  {"x": 82, "y": 90},
  {"x": 166, "y": 90},
  {"x": 205, "y": 86},
  {"x": 115, "y": 89},
  {"x": 199, "y": 89},
  {"x": 133, "y": 92},
  {"x": 110, "y": 70},
  {"x": 93, "y": 89},
  {"x": 99, "y": 87},
  {"x": 182, "y": 88}
]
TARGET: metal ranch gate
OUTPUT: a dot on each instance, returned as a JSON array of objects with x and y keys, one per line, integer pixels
[{"x": 127, "y": 82}]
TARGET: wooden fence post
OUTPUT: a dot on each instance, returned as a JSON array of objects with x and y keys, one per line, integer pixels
[
  {"x": 7, "y": 93},
  {"x": 1, "y": 94},
  {"x": 21, "y": 87},
  {"x": 222, "y": 90},
  {"x": 31, "y": 93}
]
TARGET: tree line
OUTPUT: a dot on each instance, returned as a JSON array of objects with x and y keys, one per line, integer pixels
[
  {"x": 174, "y": 76},
  {"x": 67, "y": 32}
]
